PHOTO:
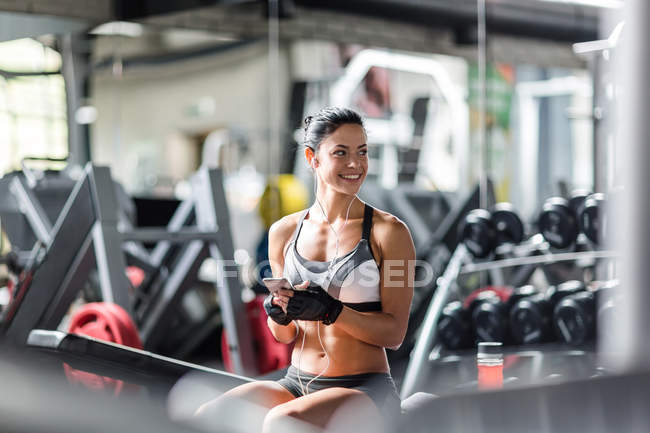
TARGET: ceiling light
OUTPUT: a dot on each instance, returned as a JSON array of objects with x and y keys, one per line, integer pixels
[
  {"x": 608, "y": 4},
  {"x": 118, "y": 28}
]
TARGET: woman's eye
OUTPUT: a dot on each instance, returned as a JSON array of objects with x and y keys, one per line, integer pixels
[
  {"x": 339, "y": 153},
  {"x": 363, "y": 152}
]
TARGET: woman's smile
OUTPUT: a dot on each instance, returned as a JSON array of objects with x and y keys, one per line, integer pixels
[{"x": 351, "y": 177}]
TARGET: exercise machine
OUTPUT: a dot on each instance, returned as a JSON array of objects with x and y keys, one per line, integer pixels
[{"x": 90, "y": 234}]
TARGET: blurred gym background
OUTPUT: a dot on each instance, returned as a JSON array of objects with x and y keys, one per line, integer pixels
[{"x": 147, "y": 146}]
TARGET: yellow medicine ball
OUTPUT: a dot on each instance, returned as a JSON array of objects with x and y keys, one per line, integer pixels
[{"x": 284, "y": 194}]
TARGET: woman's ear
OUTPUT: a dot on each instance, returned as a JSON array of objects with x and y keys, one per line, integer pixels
[{"x": 311, "y": 157}]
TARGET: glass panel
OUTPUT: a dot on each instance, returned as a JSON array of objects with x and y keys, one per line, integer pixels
[{"x": 32, "y": 108}]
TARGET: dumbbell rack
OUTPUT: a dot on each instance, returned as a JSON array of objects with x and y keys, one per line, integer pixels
[
  {"x": 545, "y": 259},
  {"x": 427, "y": 348}
]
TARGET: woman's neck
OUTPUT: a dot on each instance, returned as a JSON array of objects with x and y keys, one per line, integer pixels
[{"x": 335, "y": 206}]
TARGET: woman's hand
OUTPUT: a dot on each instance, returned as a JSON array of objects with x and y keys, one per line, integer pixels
[
  {"x": 275, "y": 310},
  {"x": 281, "y": 298},
  {"x": 276, "y": 304},
  {"x": 313, "y": 303}
]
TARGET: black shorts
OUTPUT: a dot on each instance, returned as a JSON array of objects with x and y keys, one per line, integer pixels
[{"x": 378, "y": 386}]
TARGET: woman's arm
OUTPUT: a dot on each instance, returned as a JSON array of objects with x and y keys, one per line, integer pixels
[
  {"x": 279, "y": 233},
  {"x": 388, "y": 327}
]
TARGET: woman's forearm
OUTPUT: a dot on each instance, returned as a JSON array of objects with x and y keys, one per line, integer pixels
[
  {"x": 376, "y": 328},
  {"x": 283, "y": 334}
]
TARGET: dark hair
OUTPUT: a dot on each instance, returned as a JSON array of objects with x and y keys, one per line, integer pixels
[{"x": 325, "y": 122}]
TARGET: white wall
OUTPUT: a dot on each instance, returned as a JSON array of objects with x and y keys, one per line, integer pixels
[{"x": 142, "y": 113}]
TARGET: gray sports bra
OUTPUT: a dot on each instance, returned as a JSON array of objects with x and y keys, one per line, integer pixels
[{"x": 354, "y": 279}]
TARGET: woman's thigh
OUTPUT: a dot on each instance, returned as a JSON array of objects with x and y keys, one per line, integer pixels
[
  {"x": 333, "y": 409},
  {"x": 265, "y": 393},
  {"x": 244, "y": 407}
]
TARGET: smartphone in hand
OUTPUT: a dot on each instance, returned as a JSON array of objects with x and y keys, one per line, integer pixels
[{"x": 275, "y": 284}]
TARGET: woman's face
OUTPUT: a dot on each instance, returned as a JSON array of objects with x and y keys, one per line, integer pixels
[{"x": 343, "y": 159}]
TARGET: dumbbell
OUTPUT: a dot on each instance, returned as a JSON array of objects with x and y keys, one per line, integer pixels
[
  {"x": 456, "y": 328},
  {"x": 575, "y": 317},
  {"x": 490, "y": 317},
  {"x": 577, "y": 200},
  {"x": 558, "y": 222},
  {"x": 591, "y": 217},
  {"x": 483, "y": 231},
  {"x": 531, "y": 318},
  {"x": 562, "y": 220}
]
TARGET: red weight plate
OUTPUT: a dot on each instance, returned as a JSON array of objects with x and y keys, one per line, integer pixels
[
  {"x": 129, "y": 331},
  {"x": 97, "y": 321},
  {"x": 135, "y": 275},
  {"x": 270, "y": 355},
  {"x": 502, "y": 292},
  {"x": 108, "y": 322}
]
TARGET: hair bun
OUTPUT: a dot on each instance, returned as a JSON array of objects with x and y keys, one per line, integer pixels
[{"x": 308, "y": 120}]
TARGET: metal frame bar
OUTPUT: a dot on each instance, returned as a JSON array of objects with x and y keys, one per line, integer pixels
[
  {"x": 107, "y": 240},
  {"x": 209, "y": 187},
  {"x": 179, "y": 236},
  {"x": 74, "y": 279},
  {"x": 628, "y": 348},
  {"x": 111, "y": 266},
  {"x": 537, "y": 260},
  {"x": 178, "y": 282},
  {"x": 68, "y": 236},
  {"x": 181, "y": 217},
  {"x": 32, "y": 209},
  {"x": 416, "y": 369},
  {"x": 136, "y": 253}
]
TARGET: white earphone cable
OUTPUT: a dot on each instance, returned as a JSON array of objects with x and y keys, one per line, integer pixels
[{"x": 305, "y": 390}]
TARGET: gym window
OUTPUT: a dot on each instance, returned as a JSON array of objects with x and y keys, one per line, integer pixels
[{"x": 32, "y": 103}]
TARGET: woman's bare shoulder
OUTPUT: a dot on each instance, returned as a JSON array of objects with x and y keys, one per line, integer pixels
[
  {"x": 389, "y": 229},
  {"x": 386, "y": 221},
  {"x": 282, "y": 230}
]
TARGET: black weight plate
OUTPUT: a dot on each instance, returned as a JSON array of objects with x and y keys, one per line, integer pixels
[
  {"x": 590, "y": 217},
  {"x": 478, "y": 233},
  {"x": 557, "y": 223},
  {"x": 530, "y": 320},
  {"x": 454, "y": 327},
  {"x": 574, "y": 318},
  {"x": 508, "y": 225},
  {"x": 577, "y": 201},
  {"x": 490, "y": 321},
  {"x": 555, "y": 293},
  {"x": 521, "y": 293}
]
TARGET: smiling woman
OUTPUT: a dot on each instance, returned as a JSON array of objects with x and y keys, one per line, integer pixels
[
  {"x": 343, "y": 154},
  {"x": 350, "y": 267}
]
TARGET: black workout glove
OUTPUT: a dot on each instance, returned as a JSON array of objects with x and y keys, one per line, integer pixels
[
  {"x": 314, "y": 303},
  {"x": 275, "y": 312}
]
